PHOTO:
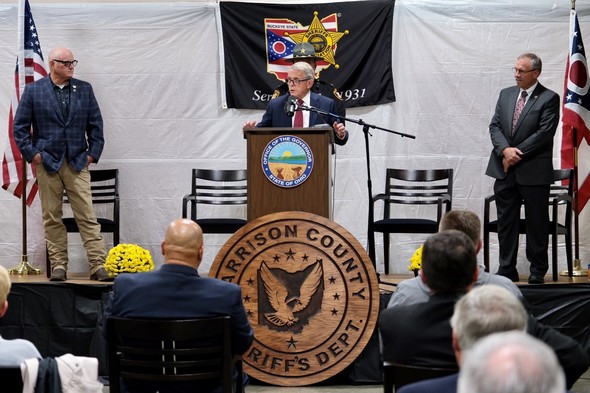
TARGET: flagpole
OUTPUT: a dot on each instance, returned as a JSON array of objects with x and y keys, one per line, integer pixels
[
  {"x": 23, "y": 266},
  {"x": 577, "y": 270}
]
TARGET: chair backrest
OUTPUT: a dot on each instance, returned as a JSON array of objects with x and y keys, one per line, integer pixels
[
  {"x": 562, "y": 195},
  {"x": 217, "y": 187},
  {"x": 11, "y": 379},
  {"x": 557, "y": 188},
  {"x": 104, "y": 185},
  {"x": 397, "y": 375},
  {"x": 170, "y": 351},
  {"x": 220, "y": 186},
  {"x": 419, "y": 187}
]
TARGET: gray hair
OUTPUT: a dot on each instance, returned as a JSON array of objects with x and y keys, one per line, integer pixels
[
  {"x": 511, "y": 362},
  {"x": 536, "y": 62},
  {"x": 485, "y": 310},
  {"x": 306, "y": 68}
]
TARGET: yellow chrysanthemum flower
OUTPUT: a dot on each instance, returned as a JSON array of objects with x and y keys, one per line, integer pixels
[
  {"x": 416, "y": 260},
  {"x": 128, "y": 258}
]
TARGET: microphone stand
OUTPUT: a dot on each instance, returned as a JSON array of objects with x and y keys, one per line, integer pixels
[
  {"x": 320, "y": 113},
  {"x": 366, "y": 127}
]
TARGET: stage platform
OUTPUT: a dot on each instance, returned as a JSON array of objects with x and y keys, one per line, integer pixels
[
  {"x": 388, "y": 281},
  {"x": 64, "y": 317}
]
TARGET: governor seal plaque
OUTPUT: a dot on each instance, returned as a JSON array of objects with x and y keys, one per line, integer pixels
[
  {"x": 310, "y": 291},
  {"x": 287, "y": 161}
]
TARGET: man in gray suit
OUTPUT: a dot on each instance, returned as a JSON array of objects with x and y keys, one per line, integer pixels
[{"x": 522, "y": 131}]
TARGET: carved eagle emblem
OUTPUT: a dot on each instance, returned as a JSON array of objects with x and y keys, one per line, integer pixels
[{"x": 278, "y": 296}]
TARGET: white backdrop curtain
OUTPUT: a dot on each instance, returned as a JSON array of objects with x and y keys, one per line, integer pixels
[{"x": 156, "y": 72}]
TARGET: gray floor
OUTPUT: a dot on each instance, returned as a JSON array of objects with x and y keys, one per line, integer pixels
[{"x": 581, "y": 386}]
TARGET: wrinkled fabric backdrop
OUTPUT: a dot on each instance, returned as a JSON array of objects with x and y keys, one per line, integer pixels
[{"x": 156, "y": 71}]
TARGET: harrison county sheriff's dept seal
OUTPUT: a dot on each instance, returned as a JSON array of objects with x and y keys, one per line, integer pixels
[
  {"x": 310, "y": 291},
  {"x": 287, "y": 161}
]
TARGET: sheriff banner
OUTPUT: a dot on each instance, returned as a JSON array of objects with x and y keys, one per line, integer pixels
[{"x": 353, "y": 40}]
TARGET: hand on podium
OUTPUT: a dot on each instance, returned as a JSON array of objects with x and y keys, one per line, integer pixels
[{"x": 249, "y": 124}]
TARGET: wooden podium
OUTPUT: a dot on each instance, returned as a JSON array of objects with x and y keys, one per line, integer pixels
[{"x": 282, "y": 186}]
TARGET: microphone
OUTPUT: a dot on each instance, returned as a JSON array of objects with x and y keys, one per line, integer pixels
[{"x": 291, "y": 106}]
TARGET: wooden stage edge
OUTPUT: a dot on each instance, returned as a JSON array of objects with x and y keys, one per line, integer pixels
[
  {"x": 73, "y": 278},
  {"x": 388, "y": 282}
]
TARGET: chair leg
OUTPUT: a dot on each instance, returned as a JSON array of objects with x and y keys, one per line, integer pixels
[
  {"x": 388, "y": 382},
  {"x": 371, "y": 246},
  {"x": 486, "y": 249},
  {"x": 554, "y": 255},
  {"x": 47, "y": 262},
  {"x": 568, "y": 253},
  {"x": 386, "y": 252}
]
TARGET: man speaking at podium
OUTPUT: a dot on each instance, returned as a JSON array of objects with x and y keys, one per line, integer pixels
[{"x": 302, "y": 107}]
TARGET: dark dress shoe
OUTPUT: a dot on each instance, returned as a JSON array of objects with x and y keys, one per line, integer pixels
[
  {"x": 513, "y": 276},
  {"x": 536, "y": 279},
  {"x": 58, "y": 274},
  {"x": 101, "y": 275}
]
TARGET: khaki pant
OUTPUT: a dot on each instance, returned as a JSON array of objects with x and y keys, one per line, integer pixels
[{"x": 77, "y": 186}]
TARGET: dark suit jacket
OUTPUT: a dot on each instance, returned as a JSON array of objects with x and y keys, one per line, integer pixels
[
  {"x": 177, "y": 291},
  {"x": 79, "y": 135},
  {"x": 275, "y": 115},
  {"x": 533, "y": 135},
  {"x": 446, "y": 384},
  {"x": 420, "y": 334},
  {"x": 572, "y": 357},
  {"x": 322, "y": 88}
]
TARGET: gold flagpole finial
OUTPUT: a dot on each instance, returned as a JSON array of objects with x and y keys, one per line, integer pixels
[{"x": 573, "y": 4}]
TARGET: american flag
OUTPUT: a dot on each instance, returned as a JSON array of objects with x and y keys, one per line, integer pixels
[
  {"x": 576, "y": 109},
  {"x": 32, "y": 69}
]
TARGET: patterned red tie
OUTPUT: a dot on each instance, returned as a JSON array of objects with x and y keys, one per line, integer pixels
[
  {"x": 298, "y": 122},
  {"x": 518, "y": 110}
]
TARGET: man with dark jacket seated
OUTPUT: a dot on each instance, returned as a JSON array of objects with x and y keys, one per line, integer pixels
[
  {"x": 482, "y": 311},
  {"x": 176, "y": 291},
  {"x": 420, "y": 334}
]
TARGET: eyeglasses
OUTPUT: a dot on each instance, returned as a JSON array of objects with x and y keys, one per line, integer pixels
[
  {"x": 296, "y": 82},
  {"x": 519, "y": 71},
  {"x": 66, "y": 63}
]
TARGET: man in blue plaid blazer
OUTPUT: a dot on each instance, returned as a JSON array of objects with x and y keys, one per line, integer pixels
[{"x": 58, "y": 127}]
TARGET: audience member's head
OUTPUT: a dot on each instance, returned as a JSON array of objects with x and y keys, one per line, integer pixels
[
  {"x": 465, "y": 221},
  {"x": 183, "y": 243},
  {"x": 449, "y": 262},
  {"x": 5, "y": 285},
  {"x": 511, "y": 362},
  {"x": 482, "y": 311}
]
